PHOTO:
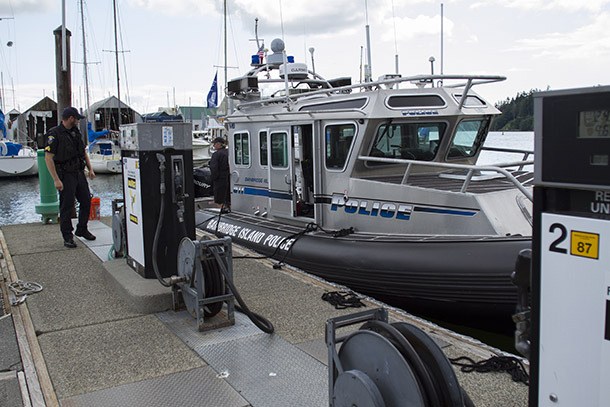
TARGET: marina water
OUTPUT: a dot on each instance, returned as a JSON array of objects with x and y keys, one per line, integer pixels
[{"x": 19, "y": 196}]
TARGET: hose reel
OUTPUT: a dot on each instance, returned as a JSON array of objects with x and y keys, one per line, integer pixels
[
  {"x": 388, "y": 365},
  {"x": 203, "y": 288}
]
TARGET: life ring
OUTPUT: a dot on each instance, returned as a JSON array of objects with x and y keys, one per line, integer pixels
[{"x": 3, "y": 148}]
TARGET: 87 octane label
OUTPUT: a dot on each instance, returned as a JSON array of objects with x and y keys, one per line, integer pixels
[{"x": 582, "y": 244}]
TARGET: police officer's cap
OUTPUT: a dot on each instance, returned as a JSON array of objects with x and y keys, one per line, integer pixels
[{"x": 71, "y": 111}]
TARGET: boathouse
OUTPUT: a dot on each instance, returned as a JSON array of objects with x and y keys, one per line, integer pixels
[
  {"x": 105, "y": 114},
  {"x": 36, "y": 121}
]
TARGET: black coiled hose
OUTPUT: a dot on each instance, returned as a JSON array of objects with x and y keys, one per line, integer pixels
[
  {"x": 214, "y": 286},
  {"x": 261, "y": 322}
]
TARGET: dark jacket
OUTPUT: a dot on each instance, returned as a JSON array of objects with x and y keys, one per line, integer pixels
[
  {"x": 219, "y": 166},
  {"x": 68, "y": 148}
]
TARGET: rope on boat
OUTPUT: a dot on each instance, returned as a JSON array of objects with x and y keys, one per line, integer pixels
[
  {"x": 509, "y": 364},
  {"x": 343, "y": 299}
]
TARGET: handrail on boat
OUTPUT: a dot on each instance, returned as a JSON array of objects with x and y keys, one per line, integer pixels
[
  {"x": 275, "y": 115},
  {"x": 471, "y": 170},
  {"x": 526, "y": 155},
  {"x": 420, "y": 80}
]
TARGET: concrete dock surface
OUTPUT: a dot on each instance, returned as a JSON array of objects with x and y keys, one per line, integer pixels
[{"x": 98, "y": 334}]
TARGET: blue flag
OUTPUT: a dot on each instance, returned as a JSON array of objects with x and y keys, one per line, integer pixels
[{"x": 213, "y": 93}]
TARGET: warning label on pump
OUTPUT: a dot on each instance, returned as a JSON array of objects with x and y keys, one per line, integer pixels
[{"x": 584, "y": 244}]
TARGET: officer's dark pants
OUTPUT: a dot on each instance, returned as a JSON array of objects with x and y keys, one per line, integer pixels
[{"x": 75, "y": 186}]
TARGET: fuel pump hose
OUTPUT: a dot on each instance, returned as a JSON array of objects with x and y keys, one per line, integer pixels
[
  {"x": 164, "y": 283},
  {"x": 261, "y": 322}
]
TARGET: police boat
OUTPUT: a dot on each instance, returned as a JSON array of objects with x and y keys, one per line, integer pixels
[{"x": 376, "y": 185}]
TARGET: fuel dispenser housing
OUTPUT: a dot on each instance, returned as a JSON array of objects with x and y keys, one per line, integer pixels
[
  {"x": 157, "y": 163},
  {"x": 570, "y": 344}
]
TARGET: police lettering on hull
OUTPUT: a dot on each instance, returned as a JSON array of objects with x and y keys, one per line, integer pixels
[{"x": 388, "y": 210}]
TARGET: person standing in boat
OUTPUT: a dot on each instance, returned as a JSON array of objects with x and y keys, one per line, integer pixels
[
  {"x": 66, "y": 160},
  {"x": 219, "y": 168}
]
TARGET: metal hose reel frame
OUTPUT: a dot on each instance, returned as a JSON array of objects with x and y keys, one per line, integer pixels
[{"x": 388, "y": 365}]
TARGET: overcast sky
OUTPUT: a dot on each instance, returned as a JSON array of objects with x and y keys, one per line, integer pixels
[{"x": 171, "y": 47}]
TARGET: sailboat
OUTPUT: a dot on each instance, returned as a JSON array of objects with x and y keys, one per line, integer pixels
[
  {"x": 104, "y": 153},
  {"x": 16, "y": 160},
  {"x": 103, "y": 149}
]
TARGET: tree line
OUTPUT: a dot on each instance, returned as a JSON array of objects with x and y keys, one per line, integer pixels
[{"x": 517, "y": 113}]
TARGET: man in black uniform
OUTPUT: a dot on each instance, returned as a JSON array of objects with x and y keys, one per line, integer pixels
[
  {"x": 219, "y": 168},
  {"x": 66, "y": 160}
]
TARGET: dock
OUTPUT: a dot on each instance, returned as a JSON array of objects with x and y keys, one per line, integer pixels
[{"x": 98, "y": 334}]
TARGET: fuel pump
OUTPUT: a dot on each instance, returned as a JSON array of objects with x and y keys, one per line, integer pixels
[
  {"x": 158, "y": 194},
  {"x": 570, "y": 343}
]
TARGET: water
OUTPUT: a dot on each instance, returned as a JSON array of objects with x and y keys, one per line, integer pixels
[
  {"x": 509, "y": 139},
  {"x": 19, "y": 197}
]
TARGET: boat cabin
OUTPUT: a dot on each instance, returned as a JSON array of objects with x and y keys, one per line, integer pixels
[{"x": 372, "y": 156}]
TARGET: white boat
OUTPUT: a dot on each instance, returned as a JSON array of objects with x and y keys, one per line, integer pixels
[
  {"x": 375, "y": 186},
  {"x": 201, "y": 148},
  {"x": 105, "y": 156},
  {"x": 17, "y": 160},
  {"x": 202, "y": 143}
]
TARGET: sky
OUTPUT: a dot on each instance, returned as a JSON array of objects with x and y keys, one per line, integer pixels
[{"x": 170, "y": 50}]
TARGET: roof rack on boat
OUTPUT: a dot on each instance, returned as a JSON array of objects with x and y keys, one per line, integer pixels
[{"x": 467, "y": 82}]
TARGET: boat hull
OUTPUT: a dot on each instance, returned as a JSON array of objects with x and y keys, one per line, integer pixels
[
  {"x": 440, "y": 276},
  {"x": 18, "y": 166},
  {"x": 106, "y": 166},
  {"x": 105, "y": 157}
]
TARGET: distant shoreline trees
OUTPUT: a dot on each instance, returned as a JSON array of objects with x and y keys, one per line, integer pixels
[{"x": 517, "y": 113}]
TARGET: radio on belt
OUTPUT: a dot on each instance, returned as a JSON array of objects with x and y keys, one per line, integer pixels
[{"x": 570, "y": 348}]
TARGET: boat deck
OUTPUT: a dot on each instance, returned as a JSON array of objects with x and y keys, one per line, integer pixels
[{"x": 100, "y": 335}]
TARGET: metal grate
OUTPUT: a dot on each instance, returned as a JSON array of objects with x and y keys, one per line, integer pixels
[{"x": 265, "y": 369}]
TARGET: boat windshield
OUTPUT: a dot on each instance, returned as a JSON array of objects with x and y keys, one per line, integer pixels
[
  {"x": 411, "y": 141},
  {"x": 468, "y": 138}
]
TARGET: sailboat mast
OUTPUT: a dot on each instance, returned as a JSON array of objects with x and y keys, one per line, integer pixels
[
  {"x": 116, "y": 54},
  {"x": 82, "y": 20},
  {"x": 225, "y": 52}
]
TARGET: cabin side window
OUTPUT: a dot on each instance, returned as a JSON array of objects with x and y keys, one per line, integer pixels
[
  {"x": 262, "y": 142},
  {"x": 468, "y": 138},
  {"x": 409, "y": 141},
  {"x": 339, "y": 140},
  {"x": 279, "y": 150},
  {"x": 241, "y": 149}
]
